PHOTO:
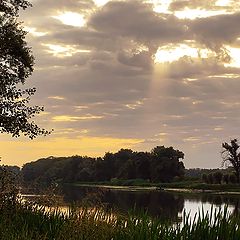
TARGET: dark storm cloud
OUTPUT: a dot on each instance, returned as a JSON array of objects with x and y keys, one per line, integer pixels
[
  {"x": 143, "y": 59},
  {"x": 217, "y": 30},
  {"x": 137, "y": 20},
  {"x": 86, "y": 38}
]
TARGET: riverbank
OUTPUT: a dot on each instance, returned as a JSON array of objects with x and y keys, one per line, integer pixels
[{"x": 175, "y": 186}]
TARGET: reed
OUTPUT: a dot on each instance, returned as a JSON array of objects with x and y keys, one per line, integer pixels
[{"x": 29, "y": 221}]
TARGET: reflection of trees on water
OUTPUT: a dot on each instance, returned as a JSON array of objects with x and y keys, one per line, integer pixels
[{"x": 155, "y": 203}]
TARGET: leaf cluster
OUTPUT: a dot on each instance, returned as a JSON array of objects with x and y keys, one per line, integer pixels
[{"x": 16, "y": 65}]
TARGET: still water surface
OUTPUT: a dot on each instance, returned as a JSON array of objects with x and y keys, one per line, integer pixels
[{"x": 167, "y": 205}]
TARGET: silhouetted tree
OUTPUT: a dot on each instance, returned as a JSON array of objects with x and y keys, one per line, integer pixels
[
  {"x": 16, "y": 65},
  {"x": 231, "y": 154},
  {"x": 166, "y": 164}
]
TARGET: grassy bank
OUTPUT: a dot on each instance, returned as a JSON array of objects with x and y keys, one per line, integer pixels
[
  {"x": 29, "y": 222},
  {"x": 191, "y": 185}
]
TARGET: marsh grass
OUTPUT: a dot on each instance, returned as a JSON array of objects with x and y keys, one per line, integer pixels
[
  {"x": 29, "y": 221},
  {"x": 25, "y": 220}
]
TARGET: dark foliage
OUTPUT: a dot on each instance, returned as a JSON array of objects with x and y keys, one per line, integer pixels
[
  {"x": 16, "y": 65},
  {"x": 160, "y": 165},
  {"x": 217, "y": 177},
  {"x": 226, "y": 178},
  {"x": 231, "y": 154}
]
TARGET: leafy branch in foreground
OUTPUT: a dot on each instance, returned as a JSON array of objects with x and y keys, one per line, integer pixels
[{"x": 16, "y": 65}]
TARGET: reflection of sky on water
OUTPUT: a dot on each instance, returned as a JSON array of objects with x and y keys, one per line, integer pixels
[
  {"x": 169, "y": 206},
  {"x": 165, "y": 205},
  {"x": 162, "y": 204},
  {"x": 193, "y": 207}
]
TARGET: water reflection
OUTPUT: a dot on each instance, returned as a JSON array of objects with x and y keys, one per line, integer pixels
[
  {"x": 166, "y": 205},
  {"x": 158, "y": 204}
]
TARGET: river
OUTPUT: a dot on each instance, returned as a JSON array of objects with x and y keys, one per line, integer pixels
[{"x": 168, "y": 205}]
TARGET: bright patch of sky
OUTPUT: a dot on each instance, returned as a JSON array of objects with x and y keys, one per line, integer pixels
[
  {"x": 71, "y": 18},
  {"x": 223, "y": 3},
  {"x": 33, "y": 31},
  {"x": 172, "y": 53},
  {"x": 160, "y": 6},
  {"x": 235, "y": 60},
  {"x": 100, "y": 3},
  {"x": 63, "y": 51},
  {"x": 197, "y": 13}
]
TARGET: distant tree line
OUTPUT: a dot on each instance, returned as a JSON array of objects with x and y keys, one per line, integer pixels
[
  {"x": 161, "y": 164},
  {"x": 220, "y": 177},
  {"x": 197, "y": 173}
]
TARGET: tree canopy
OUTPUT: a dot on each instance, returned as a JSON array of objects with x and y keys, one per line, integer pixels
[
  {"x": 162, "y": 164},
  {"x": 231, "y": 154},
  {"x": 16, "y": 65}
]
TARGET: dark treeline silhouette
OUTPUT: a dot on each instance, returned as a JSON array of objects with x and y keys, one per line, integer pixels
[{"x": 162, "y": 164}]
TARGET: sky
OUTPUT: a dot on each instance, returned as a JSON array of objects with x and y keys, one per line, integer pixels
[{"x": 132, "y": 74}]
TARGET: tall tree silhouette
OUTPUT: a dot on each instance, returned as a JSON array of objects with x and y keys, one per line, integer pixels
[{"x": 231, "y": 154}]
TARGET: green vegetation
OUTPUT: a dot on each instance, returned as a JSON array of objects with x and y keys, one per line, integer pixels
[
  {"x": 162, "y": 164},
  {"x": 26, "y": 220},
  {"x": 16, "y": 65},
  {"x": 31, "y": 222}
]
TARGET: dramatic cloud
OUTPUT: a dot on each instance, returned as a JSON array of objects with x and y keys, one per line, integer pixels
[{"x": 137, "y": 74}]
